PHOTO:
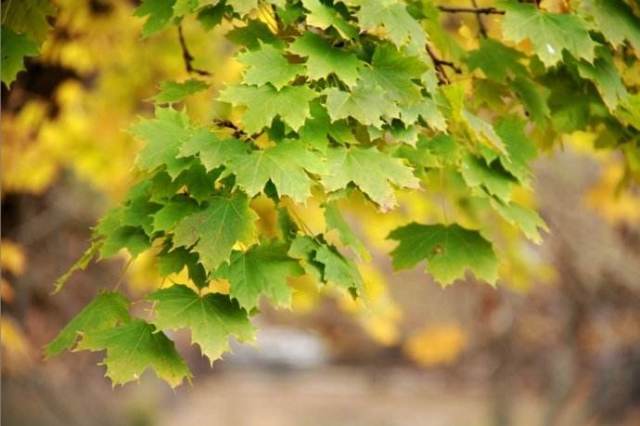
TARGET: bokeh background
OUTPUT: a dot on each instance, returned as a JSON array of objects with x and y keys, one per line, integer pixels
[{"x": 558, "y": 342}]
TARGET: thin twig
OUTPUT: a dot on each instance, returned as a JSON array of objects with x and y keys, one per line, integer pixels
[
  {"x": 440, "y": 65},
  {"x": 476, "y": 10},
  {"x": 481, "y": 26},
  {"x": 237, "y": 132},
  {"x": 188, "y": 57}
]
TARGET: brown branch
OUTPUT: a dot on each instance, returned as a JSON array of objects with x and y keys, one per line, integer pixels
[
  {"x": 481, "y": 26},
  {"x": 237, "y": 132},
  {"x": 476, "y": 10},
  {"x": 440, "y": 65},
  {"x": 188, "y": 57}
]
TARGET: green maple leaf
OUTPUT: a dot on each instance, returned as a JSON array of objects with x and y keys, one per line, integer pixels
[
  {"x": 171, "y": 91},
  {"x": 550, "y": 33},
  {"x": 533, "y": 97},
  {"x": 325, "y": 263},
  {"x": 211, "y": 149},
  {"x": 105, "y": 311},
  {"x": 212, "y": 318},
  {"x": 338, "y": 270},
  {"x": 527, "y": 220},
  {"x": 477, "y": 173},
  {"x": 261, "y": 271},
  {"x": 323, "y": 17},
  {"x": 242, "y": 7},
  {"x": 264, "y": 103},
  {"x": 27, "y": 17},
  {"x": 172, "y": 212},
  {"x": 335, "y": 220},
  {"x": 448, "y": 249},
  {"x": 519, "y": 147},
  {"x": 318, "y": 129},
  {"x": 163, "y": 137},
  {"x": 496, "y": 60},
  {"x": 214, "y": 231},
  {"x": 15, "y": 47},
  {"x": 395, "y": 72},
  {"x": 159, "y": 14},
  {"x": 285, "y": 164},
  {"x": 132, "y": 348},
  {"x": 114, "y": 235},
  {"x": 476, "y": 128},
  {"x": 253, "y": 35},
  {"x": 366, "y": 103},
  {"x": 174, "y": 261},
  {"x": 324, "y": 59},
  {"x": 615, "y": 20},
  {"x": 401, "y": 28},
  {"x": 371, "y": 170},
  {"x": 268, "y": 65},
  {"x": 428, "y": 110},
  {"x": 606, "y": 78}
]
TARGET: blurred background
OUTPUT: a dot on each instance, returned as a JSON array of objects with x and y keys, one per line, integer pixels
[{"x": 558, "y": 343}]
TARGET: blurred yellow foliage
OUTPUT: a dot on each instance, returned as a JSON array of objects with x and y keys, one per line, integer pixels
[
  {"x": 436, "y": 344},
  {"x": 16, "y": 349},
  {"x": 376, "y": 311},
  {"x": 615, "y": 203}
]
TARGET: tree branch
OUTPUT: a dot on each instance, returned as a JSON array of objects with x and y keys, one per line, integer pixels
[
  {"x": 237, "y": 132},
  {"x": 188, "y": 57},
  {"x": 476, "y": 10},
  {"x": 440, "y": 65},
  {"x": 481, "y": 27}
]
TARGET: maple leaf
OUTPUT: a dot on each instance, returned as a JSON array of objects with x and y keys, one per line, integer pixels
[
  {"x": 550, "y": 33},
  {"x": 28, "y": 18},
  {"x": 324, "y": 17},
  {"x": 448, "y": 249},
  {"x": 335, "y": 220},
  {"x": 268, "y": 65},
  {"x": 476, "y": 172},
  {"x": 356, "y": 164},
  {"x": 104, "y": 312},
  {"x": 15, "y": 47},
  {"x": 243, "y": 6},
  {"x": 285, "y": 164},
  {"x": 615, "y": 20},
  {"x": 401, "y": 28},
  {"x": 211, "y": 149},
  {"x": 261, "y": 271},
  {"x": 527, "y": 220},
  {"x": 171, "y": 213},
  {"x": 325, "y": 263},
  {"x": 171, "y": 91},
  {"x": 366, "y": 103},
  {"x": 318, "y": 129},
  {"x": 519, "y": 147},
  {"x": 496, "y": 60},
  {"x": 264, "y": 103},
  {"x": 394, "y": 72},
  {"x": 212, "y": 318},
  {"x": 213, "y": 231},
  {"x": 159, "y": 14},
  {"x": 324, "y": 59},
  {"x": 132, "y": 348},
  {"x": 606, "y": 77},
  {"x": 163, "y": 137}
]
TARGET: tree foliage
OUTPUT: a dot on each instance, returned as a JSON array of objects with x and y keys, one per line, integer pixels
[{"x": 341, "y": 100}]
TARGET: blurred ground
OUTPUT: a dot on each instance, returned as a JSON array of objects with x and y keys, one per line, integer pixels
[{"x": 565, "y": 353}]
